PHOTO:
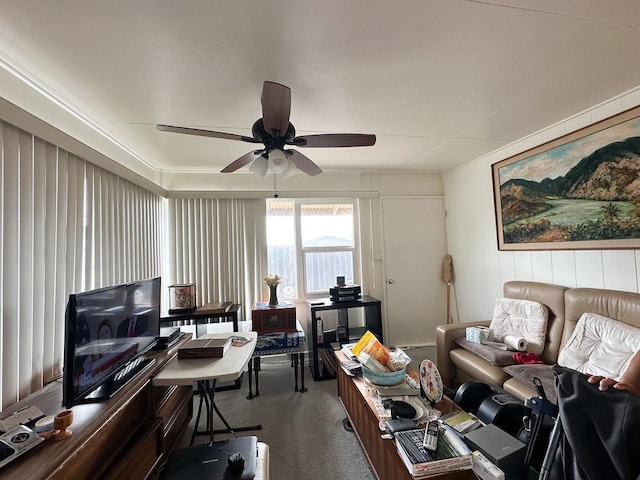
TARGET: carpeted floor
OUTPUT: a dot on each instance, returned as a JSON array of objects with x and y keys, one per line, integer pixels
[{"x": 303, "y": 430}]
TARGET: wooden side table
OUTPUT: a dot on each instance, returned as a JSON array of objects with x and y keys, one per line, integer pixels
[{"x": 201, "y": 319}]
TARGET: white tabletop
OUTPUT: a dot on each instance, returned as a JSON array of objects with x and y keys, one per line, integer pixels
[{"x": 227, "y": 368}]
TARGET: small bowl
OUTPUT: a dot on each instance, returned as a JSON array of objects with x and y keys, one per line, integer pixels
[{"x": 384, "y": 379}]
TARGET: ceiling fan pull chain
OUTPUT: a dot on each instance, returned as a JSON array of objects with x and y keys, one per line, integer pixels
[{"x": 275, "y": 190}]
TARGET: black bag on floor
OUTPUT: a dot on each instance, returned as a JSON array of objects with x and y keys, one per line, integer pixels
[{"x": 597, "y": 434}]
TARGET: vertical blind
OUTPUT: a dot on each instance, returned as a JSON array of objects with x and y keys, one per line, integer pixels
[
  {"x": 220, "y": 245},
  {"x": 66, "y": 226}
]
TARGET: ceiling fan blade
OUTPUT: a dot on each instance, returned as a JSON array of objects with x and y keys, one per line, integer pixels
[
  {"x": 242, "y": 161},
  {"x": 303, "y": 163},
  {"x": 205, "y": 133},
  {"x": 335, "y": 140},
  {"x": 276, "y": 107}
]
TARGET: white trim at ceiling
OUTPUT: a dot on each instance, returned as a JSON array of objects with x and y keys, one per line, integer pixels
[
  {"x": 26, "y": 121},
  {"x": 268, "y": 194}
]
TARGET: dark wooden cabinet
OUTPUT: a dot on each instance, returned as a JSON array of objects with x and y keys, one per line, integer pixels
[
  {"x": 126, "y": 436},
  {"x": 270, "y": 319},
  {"x": 330, "y": 323}
]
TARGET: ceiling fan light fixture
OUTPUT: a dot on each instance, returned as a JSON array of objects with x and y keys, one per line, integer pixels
[
  {"x": 260, "y": 166},
  {"x": 291, "y": 169},
  {"x": 275, "y": 131},
  {"x": 278, "y": 162}
]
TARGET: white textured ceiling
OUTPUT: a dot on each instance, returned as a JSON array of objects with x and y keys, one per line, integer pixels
[{"x": 440, "y": 82}]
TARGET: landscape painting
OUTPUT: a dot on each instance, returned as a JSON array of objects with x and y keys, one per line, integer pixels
[{"x": 581, "y": 191}]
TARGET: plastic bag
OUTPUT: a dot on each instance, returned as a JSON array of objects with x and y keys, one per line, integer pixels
[{"x": 398, "y": 360}]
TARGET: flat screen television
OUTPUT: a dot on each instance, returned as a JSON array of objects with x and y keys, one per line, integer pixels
[{"x": 106, "y": 332}]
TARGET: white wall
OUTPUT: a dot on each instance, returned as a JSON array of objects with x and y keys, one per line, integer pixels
[{"x": 480, "y": 269}]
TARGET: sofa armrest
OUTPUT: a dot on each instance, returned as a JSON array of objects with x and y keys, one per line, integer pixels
[{"x": 445, "y": 334}]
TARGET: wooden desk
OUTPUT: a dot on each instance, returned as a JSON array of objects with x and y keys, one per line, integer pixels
[
  {"x": 201, "y": 319},
  {"x": 206, "y": 372},
  {"x": 381, "y": 453},
  {"x": 126, "y": 436}
]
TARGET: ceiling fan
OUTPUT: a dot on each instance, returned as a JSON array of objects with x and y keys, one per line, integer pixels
[{"x": 275, "y": 131}]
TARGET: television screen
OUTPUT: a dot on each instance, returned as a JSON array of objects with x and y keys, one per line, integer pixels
[{"x": 105, "y": 330}]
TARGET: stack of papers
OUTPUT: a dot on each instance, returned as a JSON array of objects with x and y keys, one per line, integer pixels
[
  {"x": 346, "y": 349},
  {"x": 421, "y": 462},
  {"x": 461, "y": 421},
  {"x": 352, "y": 367}
]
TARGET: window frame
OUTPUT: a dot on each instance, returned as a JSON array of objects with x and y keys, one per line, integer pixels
[{"x": 302, "y": 291}]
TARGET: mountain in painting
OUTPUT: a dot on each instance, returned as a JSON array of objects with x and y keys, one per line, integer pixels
[{"x": 611, "y": 173}]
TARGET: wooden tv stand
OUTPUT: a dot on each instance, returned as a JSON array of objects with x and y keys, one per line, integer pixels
[
  {"x": 126, "y": 436},
  {"x": 381, "y": 453}
]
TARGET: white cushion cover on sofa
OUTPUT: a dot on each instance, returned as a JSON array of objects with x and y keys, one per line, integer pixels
[
  {"x": 600, "y": 346},
  {"x": 522, "y": 318}
]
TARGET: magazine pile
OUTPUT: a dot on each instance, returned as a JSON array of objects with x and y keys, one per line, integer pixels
[{"x": 451, "y": 454}]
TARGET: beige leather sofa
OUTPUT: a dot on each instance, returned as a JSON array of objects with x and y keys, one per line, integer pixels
[{"x": 566, "y": 306}]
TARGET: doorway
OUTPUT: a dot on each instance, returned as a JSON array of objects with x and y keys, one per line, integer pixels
[{"x": 414, "y": 248}]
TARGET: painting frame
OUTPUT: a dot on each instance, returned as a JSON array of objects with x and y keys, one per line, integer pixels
[{"x": 587, "y": 207}]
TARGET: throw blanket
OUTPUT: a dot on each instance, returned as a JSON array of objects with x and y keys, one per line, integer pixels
[{"x": 526, "y": 358}]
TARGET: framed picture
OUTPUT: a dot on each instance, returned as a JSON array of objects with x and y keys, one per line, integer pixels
[{"x": 581, "y": 191}]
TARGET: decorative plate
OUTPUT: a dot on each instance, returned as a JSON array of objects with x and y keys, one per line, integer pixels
[{"x": 431, "y": 381}]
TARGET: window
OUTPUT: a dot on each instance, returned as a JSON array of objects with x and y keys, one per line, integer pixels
[{"x": 310, "y": 243}]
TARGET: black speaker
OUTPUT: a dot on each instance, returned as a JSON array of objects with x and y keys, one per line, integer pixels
[
  {"x": 504, "y": 411},
  {"x": 491, "y": 404},
  {"x": 470, "y": 395}
]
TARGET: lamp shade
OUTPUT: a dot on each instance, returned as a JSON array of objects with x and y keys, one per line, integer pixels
[
  {"x": 278, "y": 162},
  {"x": 291, "y": 169},
  {"x": 260, "y": 167}
]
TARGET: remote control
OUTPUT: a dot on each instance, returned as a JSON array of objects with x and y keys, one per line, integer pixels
[{"x": 431, "y": 435}]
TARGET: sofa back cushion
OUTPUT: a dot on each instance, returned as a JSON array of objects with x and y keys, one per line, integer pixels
[
  {"x": 623, "y": 306},
  {"x": 552, "y": 296},
  {"x": 600, "y": 346},
  {"x": 520, "y": 318}
]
